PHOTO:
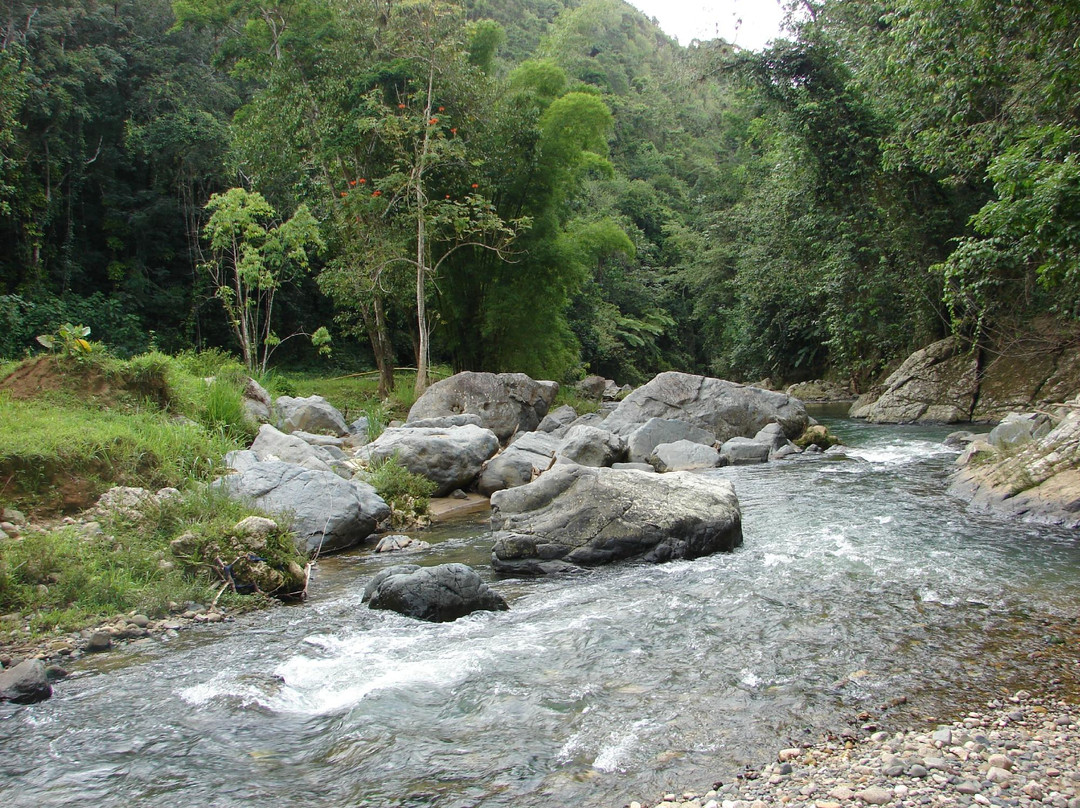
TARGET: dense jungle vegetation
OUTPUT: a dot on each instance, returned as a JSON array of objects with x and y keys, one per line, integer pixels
[{"x": 550, "y": 186}]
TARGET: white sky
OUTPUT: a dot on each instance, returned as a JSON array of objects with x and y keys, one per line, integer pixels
[{"x": 749, "y": 23}]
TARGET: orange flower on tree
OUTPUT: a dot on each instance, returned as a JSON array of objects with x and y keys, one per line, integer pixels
[
  {"x": 474, "y": 185},
  {"x": 361, "y": 180},
  {"x": 433, "y": 121},
  {"x": 376, "y": 193},
  {"x": 401, "y": 106},
  {"x": 453, "y": 131},
  {"x": 442, "y": 109}
]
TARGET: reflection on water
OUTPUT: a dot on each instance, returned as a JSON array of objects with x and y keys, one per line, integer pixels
[{"x": 859, "y": 581}]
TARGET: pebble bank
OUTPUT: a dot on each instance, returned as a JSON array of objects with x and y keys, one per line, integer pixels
[{"x": 1018, "y": 752}]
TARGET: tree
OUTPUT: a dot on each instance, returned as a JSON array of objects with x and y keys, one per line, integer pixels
[{"x": 252, "y": 259}]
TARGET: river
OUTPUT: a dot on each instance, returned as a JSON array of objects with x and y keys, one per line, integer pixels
[{"x": 860, "y": 581}]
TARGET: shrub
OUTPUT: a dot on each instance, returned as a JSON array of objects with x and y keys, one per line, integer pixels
[{"x": 406, "y": 493}]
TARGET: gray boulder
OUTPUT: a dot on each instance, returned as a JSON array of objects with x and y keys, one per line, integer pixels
[
  {"x": 272, "y": 444},
  {"x": 646, "y": 467},
  {"x": 311, "y": 414},
  {"x": 744, "y": 452},
  {"x": 590, "y": 446},
  {"x": 328, "y": 513},
  {"x": 506, "y": 402},
  {"x": 724, "y": 408},
  {"x": 436, "y": 594},
  {"x": 820, "y": 390},
  {"x": 575, "y": 516},
  {"x": 401, "y": 544},
  {"x": 592, "y": 387},
  {"x": 1019, "y": 428},
  {"x": 445, "y": 421},
  {"x": 26, "y": 683},
  {"x": 451, "y": 457},
  {"x": 519, "y": 463},
  {"x": 961, "y": 439},
  {"x": 937, "y": 384},
  {"x": 562, "y": 417},
  {"x": 643, "y": 440},
  {"x": 257, "y": 403},
  {"x": 772, "y": 435},
  {"x": 684, "y": 455}
]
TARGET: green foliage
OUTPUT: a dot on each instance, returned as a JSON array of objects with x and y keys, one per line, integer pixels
[
  {"x": 69, "y": 341},
  {"x": 252, "y": 260},
  {"x": 406, "y": 493},
  {"x": 68, "y": 578}
]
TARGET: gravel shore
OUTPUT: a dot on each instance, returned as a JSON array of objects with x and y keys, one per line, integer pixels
[{"x": 1021, "y": 751}]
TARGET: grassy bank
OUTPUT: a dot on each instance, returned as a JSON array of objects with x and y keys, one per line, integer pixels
[{"x": 70, "y": 429}]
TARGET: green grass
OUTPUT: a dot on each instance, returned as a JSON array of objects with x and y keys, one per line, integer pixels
[
  {"x": 154, "y": 421},
  {"x": 69, "y": 578},
  {"x": 406, "y": 493},
  {"x": 568, "y": 395},
  {"x": 356, "y": 394}
]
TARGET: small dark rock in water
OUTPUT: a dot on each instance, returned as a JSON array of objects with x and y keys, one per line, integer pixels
[
  {"x": 459, "y": 494},
  {"x": 436, "y": 594},
  {"x": 25, "y": 683},
  {"x": 99, "y": 641}
]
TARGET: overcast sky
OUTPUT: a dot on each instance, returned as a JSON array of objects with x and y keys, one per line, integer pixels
[{"x": 707, "y": 19}]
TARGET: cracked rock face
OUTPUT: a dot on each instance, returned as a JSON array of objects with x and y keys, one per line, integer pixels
[
  {"x": 1039, "y": 482},
  {"x": 724, "y": 409},
  {"x": 937, "y": 384},
  {"x": 577, "y": 516}
]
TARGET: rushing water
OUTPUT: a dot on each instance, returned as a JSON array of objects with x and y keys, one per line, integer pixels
[{"x": 859, "y": 580}]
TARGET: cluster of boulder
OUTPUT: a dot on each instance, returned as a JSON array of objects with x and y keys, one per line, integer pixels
[{"x": 567, "y": 491}]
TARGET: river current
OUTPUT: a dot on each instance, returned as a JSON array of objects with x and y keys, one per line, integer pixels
[{"x": 860, "y": 580}]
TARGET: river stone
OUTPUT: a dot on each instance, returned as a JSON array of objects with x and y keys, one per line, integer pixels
[
  {"x": 506, "y": 402},
  {"x": 446, "y": 421},
  {"x": 451, "y": 457},
  {"x": 272, "y": 444},
  {"x": 592, "y": 387},
  {"x": 819, "y": 390},
  {"x": 1018, "y": 428},
  {"x": 436, "y": 594},
  {"x": 643, "y": 440},
  {"x": 723, "y": 408},
  {"x": 583, "y": 516},
  {"x": 936, "y": 384},
  {"x": 646, "y": 467},
  {"x": 400, "y": 544},
  {"x": 590, "y": 446},
  {"x": 311, "y": 414},
  {"x": 257, "y": 403},
  {"x": 519, "y": 463},
  {"x": 26, "y": 683},
  {"x": 744, "y": 452},
  {"x": 328, "y": 513},
  {"x": 562, "y": 417},
  {"x": 684, "y": 455}
]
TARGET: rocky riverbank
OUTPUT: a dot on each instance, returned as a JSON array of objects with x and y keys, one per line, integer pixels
[{"x": 1020, "y": 751}]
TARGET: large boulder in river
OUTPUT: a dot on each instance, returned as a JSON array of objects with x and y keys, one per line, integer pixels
[
  {"x": 506, "y": 402},
  {"x": 938, "y": 384},
  {"x": 1038, "y": 481},
  {"x": 590, "y": 446},
  {"x": 436, "y": 594},
  {"x": 328, "y": 513},
  {"x": 724, "y": 408},
  {"x": 451, "y": 457},
  {"x": 576, "y": 516},
  {"x": 519, "y": 463},
  {"x": 311, "y": 414},
  {"x": 273, "y": 444},
  {"x": 643, "y": 440},
  {"x": 25, "y": 683},
  {"x": 684, "y": 455}
]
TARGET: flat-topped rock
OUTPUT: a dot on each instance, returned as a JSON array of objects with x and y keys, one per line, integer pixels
[
  {"x": 575, "y": 516},
  {"x": 505, "y": 402}
]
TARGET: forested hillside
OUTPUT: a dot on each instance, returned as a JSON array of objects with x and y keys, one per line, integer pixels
[{"x": 550, "y": 186}]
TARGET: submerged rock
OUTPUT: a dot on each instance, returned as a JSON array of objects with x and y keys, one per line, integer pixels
[
  {"x": 583, "y": 516},
  {"x": 436, "y": 594}
]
